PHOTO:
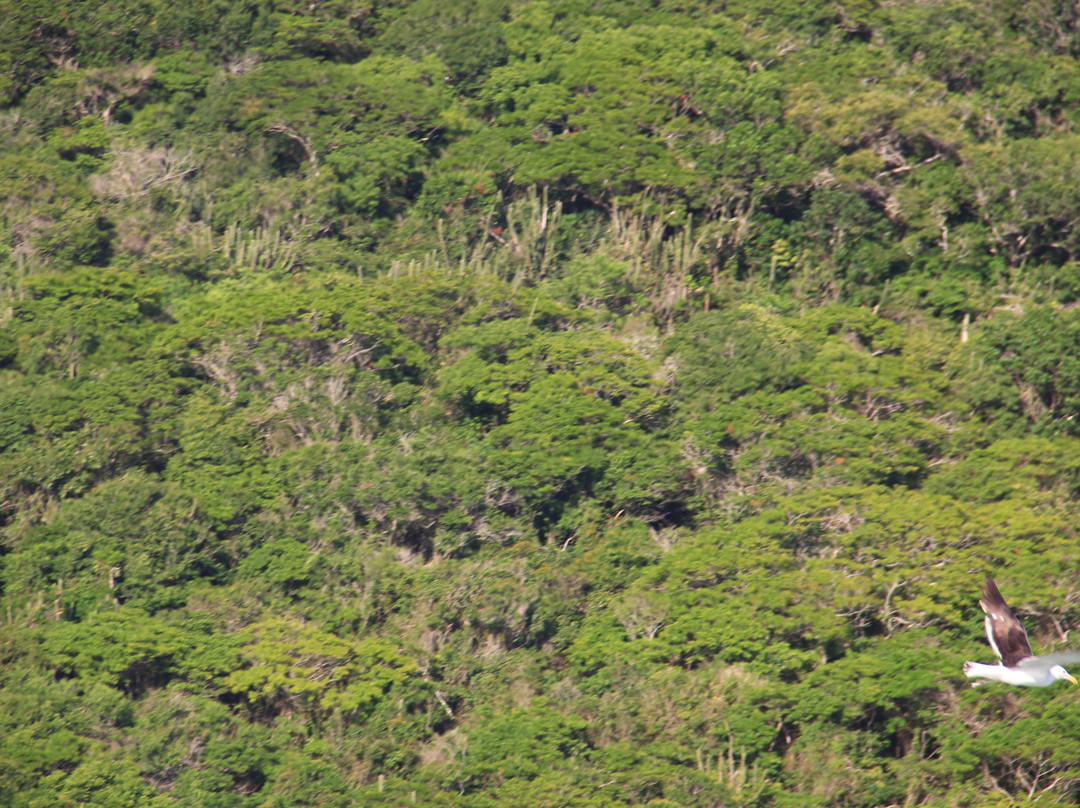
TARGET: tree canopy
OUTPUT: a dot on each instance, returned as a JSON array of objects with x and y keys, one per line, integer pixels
[{"x": 535, "y": 402}]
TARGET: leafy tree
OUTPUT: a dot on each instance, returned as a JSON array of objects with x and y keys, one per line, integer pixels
[
  {"x": 1036, "y": 351},
  {"x": 293, "y": 667},
  {"x": 533, "y": 402}
]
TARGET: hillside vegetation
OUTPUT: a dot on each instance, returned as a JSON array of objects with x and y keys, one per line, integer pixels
[{"x": 547, "y": 403}]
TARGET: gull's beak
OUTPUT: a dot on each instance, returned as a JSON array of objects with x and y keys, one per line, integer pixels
[{"x": 1071, "y": 679}]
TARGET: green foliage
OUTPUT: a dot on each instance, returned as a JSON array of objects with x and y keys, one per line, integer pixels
[
  {"x": 522, "y": 745},
  {"x": 534, "y": 403},
  {"x": 123, "y": 649},
  {"x": 1037, "y": 351},
  {"x": 290, "y": 666}
]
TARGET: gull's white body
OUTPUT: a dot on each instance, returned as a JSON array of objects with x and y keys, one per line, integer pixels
[{"x": 1024, "y": 677}]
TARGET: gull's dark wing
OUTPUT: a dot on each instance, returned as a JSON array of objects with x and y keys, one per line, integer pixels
[{"x": 1007, "y": 637}]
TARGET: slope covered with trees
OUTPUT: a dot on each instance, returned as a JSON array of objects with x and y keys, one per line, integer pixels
[{"x": 535, "y": 403}]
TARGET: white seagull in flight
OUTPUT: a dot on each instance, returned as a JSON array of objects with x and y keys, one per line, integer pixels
[{"x": 1010, "y": 642}]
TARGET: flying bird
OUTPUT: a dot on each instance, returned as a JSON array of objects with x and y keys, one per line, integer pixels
[{"x": 1010, "y": 642}]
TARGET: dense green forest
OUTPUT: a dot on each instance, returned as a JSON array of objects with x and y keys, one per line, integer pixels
[{"x": 535, "y": 402}]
